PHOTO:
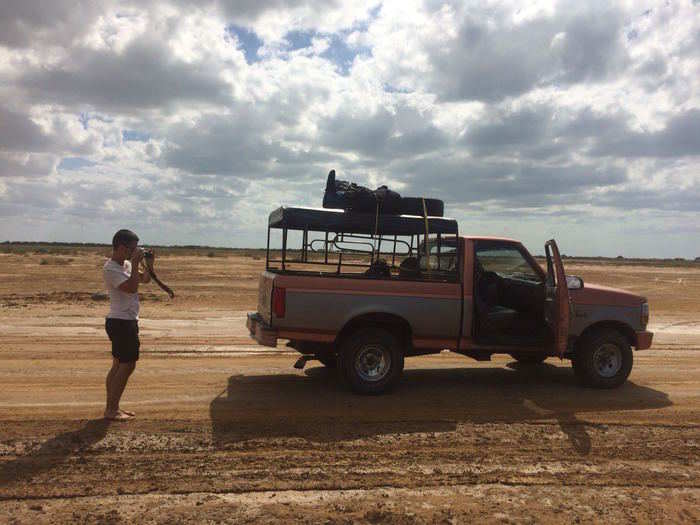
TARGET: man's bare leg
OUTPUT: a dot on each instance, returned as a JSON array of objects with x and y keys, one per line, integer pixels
[
  {"x": 115, "y": 390},
  {"x": 112, "y": 371},
  {"x": 109, "y": 409}
]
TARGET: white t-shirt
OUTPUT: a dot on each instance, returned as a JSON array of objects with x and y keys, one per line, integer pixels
[{"x": 123, "y": 305}]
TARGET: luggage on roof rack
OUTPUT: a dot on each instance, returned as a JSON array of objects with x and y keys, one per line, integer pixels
[{"x": 349, "y": 196}]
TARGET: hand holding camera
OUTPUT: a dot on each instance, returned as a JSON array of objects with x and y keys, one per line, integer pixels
[
  {"x": 136, "y": 257},
  {"x": 149, "y": 257}
]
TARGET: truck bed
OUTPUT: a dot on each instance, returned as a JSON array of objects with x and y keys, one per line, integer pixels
[{"x": 318, "y": 308}]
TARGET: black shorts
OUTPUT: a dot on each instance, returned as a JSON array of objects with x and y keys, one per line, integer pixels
[{"x": 124, "y": 335}]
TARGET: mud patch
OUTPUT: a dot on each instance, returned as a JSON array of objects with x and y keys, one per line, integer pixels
[{"x": 65, "y": 297}]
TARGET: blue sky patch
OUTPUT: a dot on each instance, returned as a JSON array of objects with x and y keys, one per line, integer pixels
[
  {"x": 74, "y": 163},
  {"x": 84, "y": 119},
  {"x": 342, "y": 55},
  {"x": 372, "y": 14},
  {"x": 338, "y": 52},
  {"x": 132, "y": 134},
  {"x": 248, "y": 41},
  {"x": 299, "y": 39},
  {"x": 390, "y": 88}
]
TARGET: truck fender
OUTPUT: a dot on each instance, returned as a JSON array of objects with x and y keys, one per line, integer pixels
[
  {"x": 623, "y": 328},
  {"x": 623, "y": 317},
  {"x": 374, "y": 317}
]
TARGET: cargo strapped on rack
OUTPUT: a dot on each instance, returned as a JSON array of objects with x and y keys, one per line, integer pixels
[{"x": 339, "y": 221}]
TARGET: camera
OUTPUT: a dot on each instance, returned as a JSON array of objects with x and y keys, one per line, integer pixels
[{"x": 148, "y": 254}]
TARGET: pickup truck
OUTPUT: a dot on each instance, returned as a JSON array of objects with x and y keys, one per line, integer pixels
[{"x": 477, "y": 296}]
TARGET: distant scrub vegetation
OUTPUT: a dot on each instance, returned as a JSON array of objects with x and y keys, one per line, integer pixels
[
  {"x": 59, "y": 248},
  {"x": 56, "y": 261}
]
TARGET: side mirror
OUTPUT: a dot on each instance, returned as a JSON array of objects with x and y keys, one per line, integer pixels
[{"x": 574, "y": 282}]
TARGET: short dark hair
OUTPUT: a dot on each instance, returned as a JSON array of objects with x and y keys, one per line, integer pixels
[{"x": 124, "y": 237}]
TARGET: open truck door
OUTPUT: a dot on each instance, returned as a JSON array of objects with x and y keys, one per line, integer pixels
[{"x": 557, "y": 309}]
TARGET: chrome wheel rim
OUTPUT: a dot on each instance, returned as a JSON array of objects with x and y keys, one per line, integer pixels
[
  {"x": 372, "y": 363},
  {"x": 607, "y": 360}
]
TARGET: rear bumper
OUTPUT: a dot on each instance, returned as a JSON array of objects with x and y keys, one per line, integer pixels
[
  {"x": 260, "y": 331},
  {"x": 644, "y": 340}
]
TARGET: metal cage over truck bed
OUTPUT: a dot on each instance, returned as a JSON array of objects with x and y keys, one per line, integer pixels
[{"x": 380, "y": 234}]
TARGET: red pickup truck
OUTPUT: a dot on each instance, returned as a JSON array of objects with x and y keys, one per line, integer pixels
[{"x": 363, "y": 293}]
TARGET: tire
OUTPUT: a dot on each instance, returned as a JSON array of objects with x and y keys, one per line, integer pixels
[
  {"x": 528, "y": 358},
  {"x": 603, "y": 359},
  {"x": 371, "y": 360}
]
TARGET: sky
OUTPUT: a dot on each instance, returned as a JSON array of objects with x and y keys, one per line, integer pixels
[{"x": 189, "y": 121}]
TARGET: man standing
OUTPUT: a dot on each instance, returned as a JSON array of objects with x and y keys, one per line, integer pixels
[{"x": 122, "y": 278}]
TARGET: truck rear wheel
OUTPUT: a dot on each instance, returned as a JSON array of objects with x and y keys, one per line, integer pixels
[
  {"x": 603, "y": 359},
  {"x": 371, "y": 360}
]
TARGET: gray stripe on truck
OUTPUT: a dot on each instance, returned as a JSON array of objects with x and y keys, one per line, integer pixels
[
  {"x": 587, "y": 315},
  {"x": 438, "y": 317}
]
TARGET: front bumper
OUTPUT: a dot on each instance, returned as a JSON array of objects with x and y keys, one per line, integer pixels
[
  {"x": 644, "y": 340},
  {"x": 260, "y": 331}
]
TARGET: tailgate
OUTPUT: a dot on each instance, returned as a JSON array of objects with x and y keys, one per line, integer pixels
[{"x": 265, "y": 296}]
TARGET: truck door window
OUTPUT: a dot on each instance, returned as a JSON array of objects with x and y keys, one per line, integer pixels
[{"x": 507, "y": 262}]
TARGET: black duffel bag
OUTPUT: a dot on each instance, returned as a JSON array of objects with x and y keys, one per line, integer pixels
[{"x": 349, "y": 196}]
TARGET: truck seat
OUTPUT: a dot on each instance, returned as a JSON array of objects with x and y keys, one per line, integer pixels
[
  {"x": 409, "y": 268},
  {"x": 493, "y": 318},
  {"x": 499, "y": 320}
]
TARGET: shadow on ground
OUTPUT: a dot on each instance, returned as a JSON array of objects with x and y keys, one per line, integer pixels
[
  {"x": 52, "y": 453},
  {"x": 318, "y": 407}
]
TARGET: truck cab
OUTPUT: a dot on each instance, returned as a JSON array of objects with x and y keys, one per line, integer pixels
[{"x": 363, "y": 293}]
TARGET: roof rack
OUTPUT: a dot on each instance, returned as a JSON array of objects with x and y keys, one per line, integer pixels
[{"x": 340, "y": 221}]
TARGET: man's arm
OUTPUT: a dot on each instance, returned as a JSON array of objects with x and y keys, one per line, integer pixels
[
  {"x": 131, "y": 285},
  {"x": 144, "y": 276},
  {"x": 147, "y": 267}
]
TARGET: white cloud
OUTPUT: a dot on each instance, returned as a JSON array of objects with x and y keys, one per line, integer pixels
[{"x": 546, "y": 117}]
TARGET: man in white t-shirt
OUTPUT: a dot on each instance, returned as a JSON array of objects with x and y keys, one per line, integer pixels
[{"x": 122, "y": 278}]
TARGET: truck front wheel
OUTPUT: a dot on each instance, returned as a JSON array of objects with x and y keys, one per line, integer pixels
[
  {"x": 603, "y": 359},
  {"x": 371, "y": 360}
]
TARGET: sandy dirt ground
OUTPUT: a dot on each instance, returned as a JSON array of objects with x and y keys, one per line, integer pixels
[{"x": 227, "y": 431}]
